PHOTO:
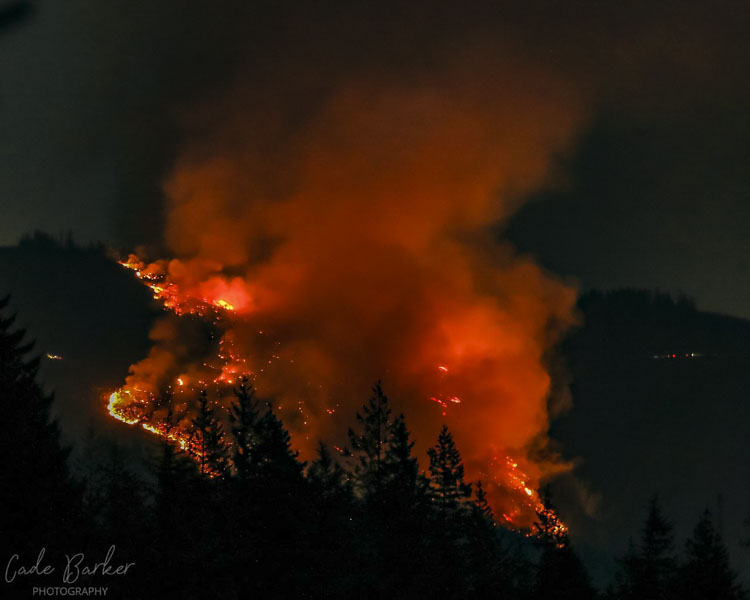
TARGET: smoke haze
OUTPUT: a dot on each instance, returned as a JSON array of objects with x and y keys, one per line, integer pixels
[{"x": 356, "y": 246}]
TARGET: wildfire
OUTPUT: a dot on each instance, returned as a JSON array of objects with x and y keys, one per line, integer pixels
[
  {"x": 121, "y": 407},
  {"x": 223, "y": 304},
  {"x": 125, "y": 408},
  {"x": 508, "y": 475},
  {"x": 137, "y": 404},
  {"x": 174, "y": 298}
]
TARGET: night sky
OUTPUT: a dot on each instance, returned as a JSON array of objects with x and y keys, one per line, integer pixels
[
  {"x": 652, "y": 191},
  {"x": 655, "y": 190}
]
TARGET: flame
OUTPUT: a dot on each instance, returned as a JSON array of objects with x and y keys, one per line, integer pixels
[
  {"x": 223, "y": 304},
  {"x": 122, "y": 408},
  {"x": 507, "y": 475},
  {"x": 133, "y": 404},
  {"x": 136, "y": 408},
  {"x": 357, "y": 245},
  {"x": 219, "y": 295},
  {"x": 125, "y": 408}
]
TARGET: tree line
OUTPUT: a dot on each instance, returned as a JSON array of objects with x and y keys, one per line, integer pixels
[{"x": 241, "y": 516}]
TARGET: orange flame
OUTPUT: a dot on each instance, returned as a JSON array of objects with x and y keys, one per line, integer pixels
[{"x": 358, "y": 246}]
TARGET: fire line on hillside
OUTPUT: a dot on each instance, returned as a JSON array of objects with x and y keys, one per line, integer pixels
[{"x": 134, "y": 406}]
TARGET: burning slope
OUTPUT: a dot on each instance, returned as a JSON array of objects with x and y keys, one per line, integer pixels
[{"x": 359, "y": 248}]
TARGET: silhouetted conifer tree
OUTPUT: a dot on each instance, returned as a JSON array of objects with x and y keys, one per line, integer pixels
[
  {"x": 40, "y": 505},
  {"x": 181, "y": 514},
  {"x": 647, "y": 573},
  {"x": 243, "y": 416},
  {"x": 403, "y": 483},
  {"x": 115, "y": 499},
  {"x": 481, "y": 504},
  {"x": 404, "y": 514},
  {"x": 331, "y": 528},
  {"x": 705, "y": 572},
  {"x": 119, "y": 495},
  {"x": 489, "y": 568},
  {"x": 449, "y": 489},
  {"x": 560, "y": 573},
  {"x": 449, "y": 537},
  {"x": 329, "y": 481},
  {"x": 208, "y": 445},
  {"x": 370, "y": 445},
  {"x": 270, "y": 507},
  {"x": 548, "y": 529},
  {"x": 394, "y": 510},
  {"x": 272, "y": 459},
  {"x": 175, "y": 478}
]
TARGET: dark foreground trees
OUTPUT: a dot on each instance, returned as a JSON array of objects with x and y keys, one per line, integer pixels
[
  {"x": 240, "y": 516},
  {"x": 560, "y": 574},
  {"x": 39, "y": 500},
  {"x": 647, "y": 571},
  {"x": 652, "y": 570},
  {"x": 705, "y": 570},
  {"x": 364, "y": 521}
]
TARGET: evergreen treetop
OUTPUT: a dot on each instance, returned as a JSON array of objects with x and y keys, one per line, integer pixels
[{"x": 447, "y": 474}]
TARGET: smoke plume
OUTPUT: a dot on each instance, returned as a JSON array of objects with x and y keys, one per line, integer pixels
[{"x": 353, "y": 240}]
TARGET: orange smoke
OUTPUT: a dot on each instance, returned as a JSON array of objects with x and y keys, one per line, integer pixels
[{"x": 360, "y": 247}]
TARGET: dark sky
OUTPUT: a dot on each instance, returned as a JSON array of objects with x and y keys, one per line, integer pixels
[
  {"x": 655, "y": 190},
  {"x": 654, "y": 204}
]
